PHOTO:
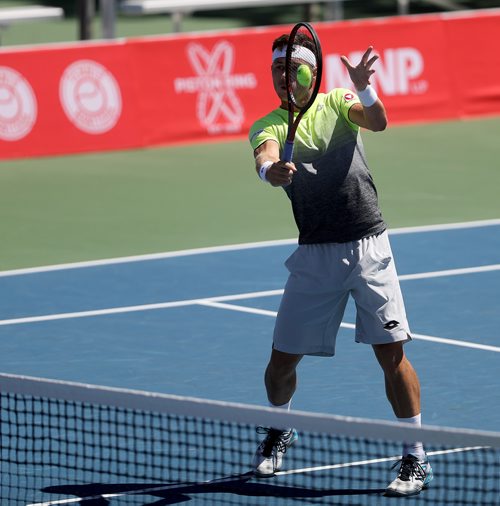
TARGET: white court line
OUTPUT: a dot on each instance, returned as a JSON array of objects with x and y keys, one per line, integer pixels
[
  {"x": 450, "y": 272},
  {"x": 249, "y": 295},
  {"x": 148, "y": 257},
  {"x": 131, "y": 309},
  {"x": 372, "y": 461},
  {"x": 421, "y": 337},
  {"x": 233, "y": 247},
  {"x": 241, "y": 309},
  {"x": 217, "y": 302},
  {"x": 98, "y": 312},
  {"x": 279, "y": 473},
  {"x": 444, "y": 226}
]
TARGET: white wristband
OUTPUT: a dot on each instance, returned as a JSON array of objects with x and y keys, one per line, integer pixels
[
  {"x": 368, "y": 96},
  {"x": 263, "y": 169}
]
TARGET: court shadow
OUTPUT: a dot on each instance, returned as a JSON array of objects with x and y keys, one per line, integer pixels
[{"x": 243, "y": 485}]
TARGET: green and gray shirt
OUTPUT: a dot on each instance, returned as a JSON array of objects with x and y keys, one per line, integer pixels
[{"x": 333, "y": 195}]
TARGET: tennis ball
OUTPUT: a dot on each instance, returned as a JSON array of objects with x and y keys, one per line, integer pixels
[{"x": 304, "y": 75}]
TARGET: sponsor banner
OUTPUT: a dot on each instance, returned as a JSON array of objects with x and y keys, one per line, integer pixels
[
  {"x": 210, "y": 87},
  {"x": 187, "y": 88},
  {"x": 473, "y": 64},
  {"x": 55, "y": 101},
  {"x": 410, "y": 75}
]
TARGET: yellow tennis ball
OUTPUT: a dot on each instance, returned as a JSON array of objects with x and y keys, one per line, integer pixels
[{"x": 304, "y": 75}]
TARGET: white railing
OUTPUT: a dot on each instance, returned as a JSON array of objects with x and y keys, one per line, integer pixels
[
  {"x": 11, "y": 15},
  {"x": 179, "y": 8}
]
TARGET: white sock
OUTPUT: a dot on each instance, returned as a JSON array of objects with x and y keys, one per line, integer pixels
[
  {"x": 282, "y": 406},
  {"x": 285, "y": 407},
  {"x": 415, "y": 448}
]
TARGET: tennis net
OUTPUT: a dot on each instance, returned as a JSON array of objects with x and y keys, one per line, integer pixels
[{"x": 71, "y": 443}]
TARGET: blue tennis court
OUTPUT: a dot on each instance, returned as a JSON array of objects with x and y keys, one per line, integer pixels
[{"x": 199, "y": 323}]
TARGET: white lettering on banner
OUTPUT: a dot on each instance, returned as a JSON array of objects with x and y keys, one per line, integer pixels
[
  {"x": 397, "y": 72},
  {"x": 18, "y": 106},
  {"x": 90, "y": 96},
  {"x": 218, "y": 107}
]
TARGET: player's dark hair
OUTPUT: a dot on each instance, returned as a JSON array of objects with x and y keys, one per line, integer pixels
[{"x": 300, "y": 39}]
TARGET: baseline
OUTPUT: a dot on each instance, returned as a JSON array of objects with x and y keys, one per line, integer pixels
[{"x": 233, "y": 247}]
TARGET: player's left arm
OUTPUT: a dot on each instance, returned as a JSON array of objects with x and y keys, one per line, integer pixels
[{"x": 373, "y": 116}]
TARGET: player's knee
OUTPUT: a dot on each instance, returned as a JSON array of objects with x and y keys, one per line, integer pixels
[
  {"x": 279, "y": 371},
  {"x": 390, "y": 356},
  {"x": 283, "y": 364}
]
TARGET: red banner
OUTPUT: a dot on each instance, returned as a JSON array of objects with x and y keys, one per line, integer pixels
[{"x": 143, "y": 92}]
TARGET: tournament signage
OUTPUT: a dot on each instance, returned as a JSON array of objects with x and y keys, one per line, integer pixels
[
  {"x": 90, "y": 97},
  {"x": 158, "y": 91},
  {"x": 215, "y": 85},
  {"x": 18, "y": 105}
]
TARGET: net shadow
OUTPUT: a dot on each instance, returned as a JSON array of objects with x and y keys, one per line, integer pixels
[{"x": 243, "y": 485}]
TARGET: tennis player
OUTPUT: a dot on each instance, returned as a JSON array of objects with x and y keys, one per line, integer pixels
[{"x": 343, "y": 250}]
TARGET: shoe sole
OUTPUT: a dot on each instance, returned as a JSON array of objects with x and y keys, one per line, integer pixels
[
  {"x": 400, "y": 494},
  {"x": 394, "y": 493},
  {"x": 261, "y": 475}
]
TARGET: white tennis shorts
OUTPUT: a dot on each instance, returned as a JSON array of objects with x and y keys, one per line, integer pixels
[{"x": 322, "y": 276}]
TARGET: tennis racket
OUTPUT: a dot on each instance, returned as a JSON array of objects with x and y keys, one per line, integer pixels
[{"x": 303, "y": 49}]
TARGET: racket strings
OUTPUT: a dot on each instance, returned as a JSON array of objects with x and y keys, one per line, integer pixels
[
  {"x": 302, "y": 68},
  {"x": 301, "y": 82},
  {"x": 303, "y": 72}
]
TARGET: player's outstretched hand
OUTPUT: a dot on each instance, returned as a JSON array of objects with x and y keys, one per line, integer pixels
[{"x": 361, "y": 73}]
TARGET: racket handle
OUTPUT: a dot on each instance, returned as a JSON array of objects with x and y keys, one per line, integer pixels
[{"x": 288, "y": 151}]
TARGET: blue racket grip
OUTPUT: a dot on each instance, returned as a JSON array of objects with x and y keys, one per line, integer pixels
[{"x": 288, "y": 151}]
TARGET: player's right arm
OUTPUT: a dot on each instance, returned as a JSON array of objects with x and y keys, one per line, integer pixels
[{"x": 280, "y": 173}]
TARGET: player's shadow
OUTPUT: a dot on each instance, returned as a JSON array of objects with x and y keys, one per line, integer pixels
[{"x": 241, "y": 485}]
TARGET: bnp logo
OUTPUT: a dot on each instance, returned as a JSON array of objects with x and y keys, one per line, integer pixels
[{"x": 397, "y": 72}]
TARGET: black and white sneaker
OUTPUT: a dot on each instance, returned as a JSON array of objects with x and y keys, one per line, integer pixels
[
  {"x": 268, "y": 458},
  {"x": 413, "y": 476}
]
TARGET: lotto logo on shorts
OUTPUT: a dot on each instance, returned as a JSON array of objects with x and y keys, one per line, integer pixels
[
  {"x": 18, "y": 106},
  {"x": 90, "y": 96},
  {"x": 348, "y": 97}
]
